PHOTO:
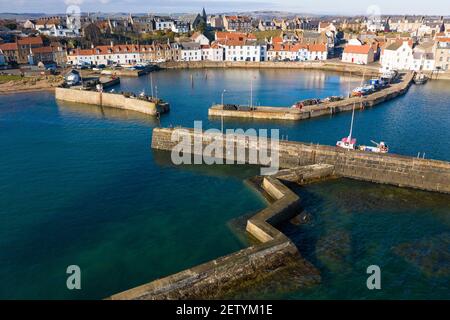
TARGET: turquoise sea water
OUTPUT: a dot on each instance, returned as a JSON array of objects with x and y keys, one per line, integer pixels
[{"x": 80, "y": 185}]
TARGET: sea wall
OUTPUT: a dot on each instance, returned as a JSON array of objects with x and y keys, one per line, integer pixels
[
  {"x": 221, "y": 276},
  {"x": 337, "y": 66},
  {"x": 403, "y": 171},
  {"x": 112, "y": 100}
]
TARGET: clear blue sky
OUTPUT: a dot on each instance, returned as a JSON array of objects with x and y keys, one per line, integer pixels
[{"x": 439, "y": 7}]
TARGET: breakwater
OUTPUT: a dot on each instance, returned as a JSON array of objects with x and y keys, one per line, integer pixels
[
  {"x": 325, "y": 108},
  {"x": 275, "y": 252},
  {"x": 397, "y": 170},
  {"x": 336, "y": 66},
  {"x": 112, "y": 100}
]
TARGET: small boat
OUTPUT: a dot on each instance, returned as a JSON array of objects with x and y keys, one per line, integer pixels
[
  {"x": 379, "y": 148},
  {"x": 420, "y": 78},
  {"x": 349, "y": 143},
  {"x": 389, "y": 76}
]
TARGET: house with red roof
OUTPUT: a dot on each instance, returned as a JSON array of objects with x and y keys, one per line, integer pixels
[
  {"x": 25, "y": 46},
  {"x": 296, "y": 52},
  {"x": 10, "y": 52},
  {"x": 317, "y": 51},
  {"x": 359, "y": 54}
]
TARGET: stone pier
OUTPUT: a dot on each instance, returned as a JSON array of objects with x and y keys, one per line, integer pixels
[
  {"x": 112, "y": 100},
  {"x": 397, "y": 170},
  {"x": 325, "y": 108}
]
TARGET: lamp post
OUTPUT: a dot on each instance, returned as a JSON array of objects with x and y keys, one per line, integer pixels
[
  {"x": 221, "y": 116},
  {"x": 223, "y": 92}
]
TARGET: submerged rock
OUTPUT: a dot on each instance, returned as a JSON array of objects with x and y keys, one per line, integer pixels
[
  {"x": 431, "y": 256},
  {"x": 302, "y": 218},
  {"x": 333, "y": 250}
]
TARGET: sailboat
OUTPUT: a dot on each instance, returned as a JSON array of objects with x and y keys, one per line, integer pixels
[{"x": 348, "y": 142}]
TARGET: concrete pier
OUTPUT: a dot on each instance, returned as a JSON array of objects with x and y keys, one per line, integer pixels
[
  {"x": 112, "y": 100},
  {"x": 326, "y": 108}
]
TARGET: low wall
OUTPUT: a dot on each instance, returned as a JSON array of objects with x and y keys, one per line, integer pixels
[
  {"x": 403, "y": 171},
  {"x": 268, "y": 113},
  {"x": 111, "y": 100},
  {"x": 221, "y": 276},
  {"x": 337, "y": 66}
]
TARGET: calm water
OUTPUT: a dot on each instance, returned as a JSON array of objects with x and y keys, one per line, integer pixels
[{"x": 80, "y": 185}]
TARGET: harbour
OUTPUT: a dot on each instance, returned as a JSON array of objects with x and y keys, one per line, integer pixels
[
  {"x": 148, "y": 193},
  {"x": 276, "y": 251}
]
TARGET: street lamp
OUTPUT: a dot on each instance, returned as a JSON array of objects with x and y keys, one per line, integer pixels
[
  {"x": 221, "y": 116},
  {"x": 223, "y": 92}
]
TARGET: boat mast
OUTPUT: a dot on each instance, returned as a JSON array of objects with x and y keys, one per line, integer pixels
[
  {"x": 251, "y": 92},
  {"x": 351, "y": 125}
]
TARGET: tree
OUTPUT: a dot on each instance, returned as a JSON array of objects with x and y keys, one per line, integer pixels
[
  {"x": 92, "y": 33},
  {"x": 201, "y": 27}
]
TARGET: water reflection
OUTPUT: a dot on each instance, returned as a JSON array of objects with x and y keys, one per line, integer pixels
[{"x": 99, "y": 112}]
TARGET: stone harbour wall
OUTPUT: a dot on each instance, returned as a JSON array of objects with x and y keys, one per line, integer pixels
[
  {"x": 336, "y": 66},
  {"x": 111, "y": 100},
  {"x": 397, "y": 170},
  {"x": 325, "y": 108}
]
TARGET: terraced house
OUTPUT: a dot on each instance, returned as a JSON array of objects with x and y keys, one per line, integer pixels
[
  {"x": 442, "y": 54},
  {"x": 124, "y": 54},
  {"x": 359, "y": 54},
  {"x": 237, "y": 23},
  {"x": 10, "y": 52},
  {"x": 121, "y": 54},
  {"x": 25, "y": 47}
]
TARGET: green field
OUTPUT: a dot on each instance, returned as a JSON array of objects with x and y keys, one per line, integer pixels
[{"x": 7, "y": 78}]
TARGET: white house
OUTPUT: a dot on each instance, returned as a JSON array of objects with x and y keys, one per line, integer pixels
[
  {"x": 291, "y": 52},
  {"x": 397, "y": 56},
  {"x": 244, "y": 50},
  {"x": 120, "y": 54},
  {"x": 423, "y": 61},
  {"x": 180, "y": 27},
  {"x": 200, "y": 39},
  {"x": 162, "y": 23},
  {"x": 424, "y": 57},
  {"x": 190, "y": 51},
  {"x": 212, "y": 52},
  {"x": 59, "y": 31},
  {"x": 358, "y": 54},
  {"x": 317, "y": 52}
]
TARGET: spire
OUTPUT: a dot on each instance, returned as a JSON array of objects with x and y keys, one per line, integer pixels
[{"x": 204, "y": 14}]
